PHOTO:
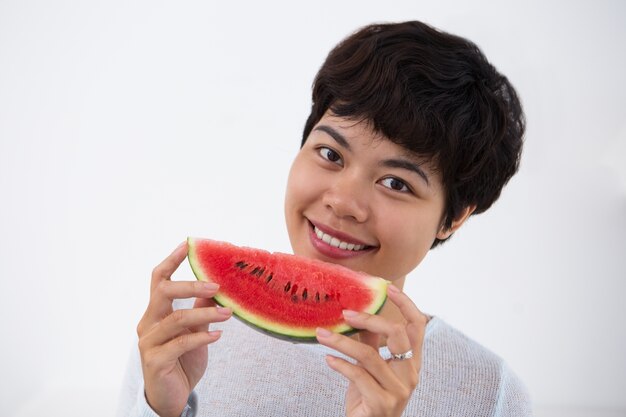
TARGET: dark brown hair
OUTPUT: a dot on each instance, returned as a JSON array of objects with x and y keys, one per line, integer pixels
[{"x": 434, "y": 94}]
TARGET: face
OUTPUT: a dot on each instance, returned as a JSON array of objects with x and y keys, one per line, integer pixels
[{"x": 357, "y": 199}]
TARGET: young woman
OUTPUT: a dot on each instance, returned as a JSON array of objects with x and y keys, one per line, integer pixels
[{"x": 411, "y": 131}]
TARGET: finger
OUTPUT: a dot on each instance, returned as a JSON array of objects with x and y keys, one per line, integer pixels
[
  {"x": 416, "y": 320},
  {"x": 202, "y": 303},
  {"x": 366, "y": 356},
  {"x": 367, "y": 386},
  {"x": 396, "y": 335},
  {"x": 407, "y": 307},
  {"x": 167, "y": 267},
  {"x": 160, "y": 305},
  {"x": 369, "y": 338},
  {"x": 180, "y": 322},
  {"x": 169, "y": 353},
  {"x": 168, "y": 291}
]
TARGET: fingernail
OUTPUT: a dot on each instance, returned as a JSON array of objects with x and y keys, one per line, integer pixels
[
  {"x": 349, "y": 313},
  {"x": 393, "y": 289},
  {"x": 323, "y": 332},
  {"x": 224, "y": 310},
  {"x": 215, "y": 333},
  {"x": 211, "y": 286}
]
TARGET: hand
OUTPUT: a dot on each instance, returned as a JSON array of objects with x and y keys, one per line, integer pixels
[
  {"x": 173, "y": 344},
  {"x": 378, "y": 387}
]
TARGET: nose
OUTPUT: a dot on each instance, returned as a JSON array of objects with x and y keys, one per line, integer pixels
[{"x": 348, "y": 198}]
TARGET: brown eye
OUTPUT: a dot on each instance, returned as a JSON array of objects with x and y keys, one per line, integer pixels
[
  {"x": 330, "y": 155},
  {"x": 395, "y": 184}
]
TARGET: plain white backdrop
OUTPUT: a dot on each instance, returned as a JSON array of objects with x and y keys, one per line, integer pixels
[{"x": 126, "y": 126}]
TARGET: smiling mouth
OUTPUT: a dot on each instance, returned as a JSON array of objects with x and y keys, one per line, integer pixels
[{"x": 337, "y": 243}]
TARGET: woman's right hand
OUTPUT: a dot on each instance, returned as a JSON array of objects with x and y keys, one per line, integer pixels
[{"x": 173, "y": 344}]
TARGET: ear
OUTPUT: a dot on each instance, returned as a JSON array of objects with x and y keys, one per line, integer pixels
[{"x": 444, "y": 233}]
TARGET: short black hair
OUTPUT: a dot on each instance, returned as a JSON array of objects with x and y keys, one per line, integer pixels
[{"x": 436, "y": 95}]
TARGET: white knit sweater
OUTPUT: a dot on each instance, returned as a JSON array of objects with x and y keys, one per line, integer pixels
[{"x": 251, "y": 374}]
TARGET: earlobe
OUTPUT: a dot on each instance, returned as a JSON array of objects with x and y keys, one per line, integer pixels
[{"x": 445, "y": 233}]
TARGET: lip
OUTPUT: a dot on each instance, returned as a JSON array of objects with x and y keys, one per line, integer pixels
[{"x": 331, "y": 251}]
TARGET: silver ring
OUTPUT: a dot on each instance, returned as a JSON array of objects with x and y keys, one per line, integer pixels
[{"x": 402, "y": 356}]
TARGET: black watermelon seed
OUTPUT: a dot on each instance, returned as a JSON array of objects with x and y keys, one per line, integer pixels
[
  {"x": 255, "y": 270},
  {"x": 241, "y": 264},
  {"x": 287, "y": 286},
  {"x": 326, "y": 297},
  {"x": 304, "y": 294},
  {"x": 269, "y": 278},
  {"x": 317, "y": 297},
  {"x": 260, "y": 273},
  {"x": 294, "y": 298}
]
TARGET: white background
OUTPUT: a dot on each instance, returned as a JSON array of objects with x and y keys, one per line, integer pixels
[{"x": 127, "y": 126}]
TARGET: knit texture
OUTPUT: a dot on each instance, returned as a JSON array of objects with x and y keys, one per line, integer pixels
[{"x": 250, "y": 374}]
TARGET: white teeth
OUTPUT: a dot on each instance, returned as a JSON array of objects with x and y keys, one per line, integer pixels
[{"x": 333, "y": 241}]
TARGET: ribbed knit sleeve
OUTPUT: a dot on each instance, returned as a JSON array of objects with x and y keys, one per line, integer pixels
[{"x": 513, "y": 398}]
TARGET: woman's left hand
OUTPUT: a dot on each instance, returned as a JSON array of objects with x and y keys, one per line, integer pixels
[{"x": 378, "y": 387}]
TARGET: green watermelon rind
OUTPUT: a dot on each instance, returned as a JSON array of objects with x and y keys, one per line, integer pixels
[
  {"x": 288, "y": 333},
  {"x": 283, "y": 336},
  {"x": 301, "y": 335}
]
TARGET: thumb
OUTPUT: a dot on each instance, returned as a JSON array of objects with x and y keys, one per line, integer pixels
[{"x": 203, "y": 302}]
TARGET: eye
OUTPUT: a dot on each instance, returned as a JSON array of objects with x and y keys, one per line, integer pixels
[
  {"x": 395, "y": 184},
  {"x": 330, "y": 155}
]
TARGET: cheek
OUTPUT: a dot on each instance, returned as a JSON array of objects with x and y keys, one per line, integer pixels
[
  {"x": 409, "y": 238},
  {"x": 301, "y": 188}
]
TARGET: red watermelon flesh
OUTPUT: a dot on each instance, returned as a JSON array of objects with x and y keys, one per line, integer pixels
[{"x": 286, "y": 296}]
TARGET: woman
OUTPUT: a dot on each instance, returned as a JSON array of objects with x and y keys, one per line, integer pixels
[{"x": 411, "y": 131}]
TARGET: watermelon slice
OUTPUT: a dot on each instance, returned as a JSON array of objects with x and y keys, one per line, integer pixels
[{"x": 284, "y": 295}]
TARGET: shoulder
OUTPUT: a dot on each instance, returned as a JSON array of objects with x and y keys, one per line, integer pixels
[
  {"x": 444, "y": 342},
  {"x": 472, "y": 379}
]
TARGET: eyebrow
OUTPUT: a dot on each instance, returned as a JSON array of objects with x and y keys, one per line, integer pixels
[
  {"x": 339, "y": 138},
  {"x": 408, "y": 165},
  {"x": 389, "y": 163}
]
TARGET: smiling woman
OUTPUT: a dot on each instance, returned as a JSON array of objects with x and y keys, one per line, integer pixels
[
  {"x": 437, "y": 96},
  {"x": 351, "y": 184},
  {"x": 411, "y": 131}
]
